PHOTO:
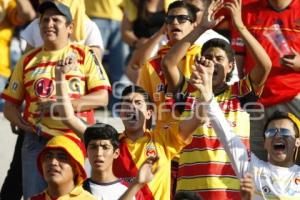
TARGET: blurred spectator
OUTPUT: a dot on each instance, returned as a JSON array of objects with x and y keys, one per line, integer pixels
[
  {"x": 282, "y": 87},
  {"x": 12, "y": 13},
  {"x": 108, "y": 14}
]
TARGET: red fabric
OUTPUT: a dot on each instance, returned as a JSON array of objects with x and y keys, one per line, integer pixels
[
  {"x": 125, "y": 167},
  {"x": 283, "y": 83}
]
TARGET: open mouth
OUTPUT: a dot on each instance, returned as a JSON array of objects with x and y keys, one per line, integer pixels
[
  {"x": 279, "y": 146},
  {"x": 131, "y": 117},
  {"x": 176, "y": 30}
]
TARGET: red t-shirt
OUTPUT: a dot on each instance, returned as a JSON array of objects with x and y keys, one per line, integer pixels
[{"x": 283, "y": 83}]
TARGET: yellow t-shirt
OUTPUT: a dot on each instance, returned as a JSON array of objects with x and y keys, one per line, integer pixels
[
  {"x": 78, "y": 193},
  {"x": 108, "y": 9},
  {"x": 34, "y": 79},
  {"x": 164, "y": 143},
  {"x": 153, "y": 81},
  {"x": 8, "y": 20}
]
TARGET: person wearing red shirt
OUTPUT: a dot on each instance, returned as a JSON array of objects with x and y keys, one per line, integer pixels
[{"x": 282, "y": 87}]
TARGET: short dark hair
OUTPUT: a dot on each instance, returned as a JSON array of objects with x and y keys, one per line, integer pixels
[
  {"x": 101, "y": 131},
  {"x": 137, "y": 89},
  {"x": 225, "y": 46},
  {"x": 191, "y": 9},
  {"x": 277, "y": 115},
  {"x": 187, "y": 195}
]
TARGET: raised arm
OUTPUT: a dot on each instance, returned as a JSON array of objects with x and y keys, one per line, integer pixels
[
  {"x": 260, "y": 72},
  {"x": 64, "y": 104},
  {"x": 178, "y": 51},
  {"x": 202, "y": 80}
]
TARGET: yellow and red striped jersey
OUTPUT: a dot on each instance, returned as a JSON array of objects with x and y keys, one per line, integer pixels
[
  {"x": 153, "y": 81},
  {"x": 164, "y": 143},
  {"x": 204, "y": 166},
  {"x": 33, "y": 80}
]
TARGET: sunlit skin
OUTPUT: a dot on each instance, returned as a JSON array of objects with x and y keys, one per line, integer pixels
[
  {"x": 134, "y": 114},
  {"x": 282, "y": 157},
  {"x": 54, "y": 29},
  {"x": 101, "y": 154},
  {"x": 177, "y": 31},
  {"x": 58, "y": 171},
  {"x": 222, "y": 67}
]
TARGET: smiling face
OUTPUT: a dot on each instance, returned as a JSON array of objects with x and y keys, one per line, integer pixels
[
  {"x": 134, "y": 112},
  {"x": 178, "y": 29},
  {"x": 222, "y": 65},
  {"x": 101, "y": 154},
  {"x": 54, "y": 28},
  {"x": 58, "y": 167},
  {"x": 280, "y": 148}
]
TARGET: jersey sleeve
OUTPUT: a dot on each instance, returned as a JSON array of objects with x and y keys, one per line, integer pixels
[
  {"x": 234, "y": 147},
  {"x": 171, "y": 139},
  {"x": 14, "y": 91},
  {"x": 97, "y": 78}
]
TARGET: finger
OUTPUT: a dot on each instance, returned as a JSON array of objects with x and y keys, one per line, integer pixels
[{"x": 287, "y": 61}]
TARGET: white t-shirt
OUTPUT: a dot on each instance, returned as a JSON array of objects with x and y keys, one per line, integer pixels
[
  {"x": 108, "y": 191},
  {"x": 31, "y": 34},
  {"x": 271, "y": 182}
]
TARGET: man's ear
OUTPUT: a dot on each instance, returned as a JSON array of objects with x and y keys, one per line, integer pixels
[
  {"x": 149, "y": 113},
  {"x": 116, "y": 153},
  {"x": 70, "y": 28}
]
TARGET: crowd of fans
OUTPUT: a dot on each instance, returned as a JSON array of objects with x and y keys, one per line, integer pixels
[{"x": 208, "y": 92}]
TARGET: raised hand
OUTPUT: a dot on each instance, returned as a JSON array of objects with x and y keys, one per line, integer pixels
[
  {"x": 201, "y": 77},
  {"x": 65, "y": 65},
  {"x": 147, "y": 170},
  {"x": 247, "y": 187},
  {"x": 235, "y": 8},
  {"x": 209, "y": 20}
]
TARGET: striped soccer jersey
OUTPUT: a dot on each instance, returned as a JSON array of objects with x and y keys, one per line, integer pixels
[
  {"x": 33, "y": 80},
  {"x": 204, "y": 166}
]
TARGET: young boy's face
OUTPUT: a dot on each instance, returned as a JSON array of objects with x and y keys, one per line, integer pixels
[
  {"x": 179, "y": 25},
  {"x": 101, "y": 154},
  {"x": 134, "y": 112},
  {"x": 222, "y": 64},
  {"x": 58, "y": 167},
  {"x": 281, "y": 147}
]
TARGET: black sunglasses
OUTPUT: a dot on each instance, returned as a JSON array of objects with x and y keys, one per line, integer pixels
[{"x": 180, "y": 18}]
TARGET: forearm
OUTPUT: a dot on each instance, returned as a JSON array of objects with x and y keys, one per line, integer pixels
[
  {"x": 263, "y": 66},
  {"x": 25, "y": 11},
  {"x": 127, "y": 33},
  {"x": 233, "y": 145},
  {"x": 13, "y": 114},
  {"x": 131, "y": 191},
  {"x": 91, "y": 101},
  {"x": 176, "y": 54}
]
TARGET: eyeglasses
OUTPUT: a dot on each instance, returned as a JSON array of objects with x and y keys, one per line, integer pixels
[
  {"x": 180, "y": 18},
  {"x": 283, "y": 132}
]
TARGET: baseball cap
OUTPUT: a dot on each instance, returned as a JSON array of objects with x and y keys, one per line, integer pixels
[
  {"x": 72, "y": 145},
  {"x": 62, "y": 8}
]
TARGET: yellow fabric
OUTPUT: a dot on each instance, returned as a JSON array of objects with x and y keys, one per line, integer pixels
[
  {"x": 164, "y": 143},
  {"x": 8, "y": 20},
  {"x": 78, "y": 193},
  {"x": 108, "y": 9},
  {"x": 76, "y": 152},
  {"x": 34, "y": 79},
  {"x": 131, "y": 9},
  {"x": 152, "y": 83},
  {"x": 206, "y": 149},
  {"x": 295, "y": 120}
]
